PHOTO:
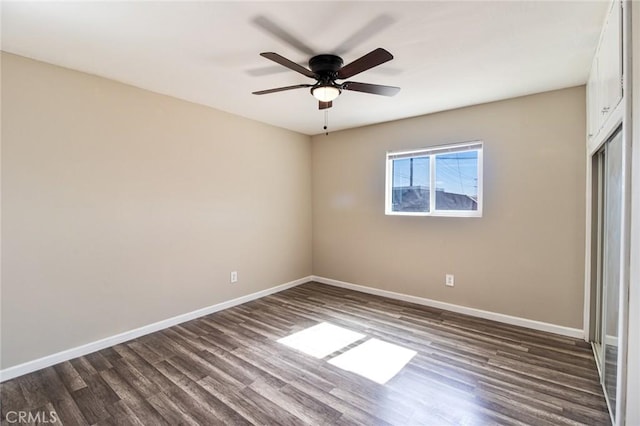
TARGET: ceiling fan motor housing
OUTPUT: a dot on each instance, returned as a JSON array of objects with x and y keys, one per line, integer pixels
[{"x": 325, "y": 66}]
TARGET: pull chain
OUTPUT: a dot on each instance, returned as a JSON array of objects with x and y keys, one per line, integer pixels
[{"x": 326, "y": 121}]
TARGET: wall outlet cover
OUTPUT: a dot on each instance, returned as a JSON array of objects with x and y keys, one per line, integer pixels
[{"x": 449, "y": 280}]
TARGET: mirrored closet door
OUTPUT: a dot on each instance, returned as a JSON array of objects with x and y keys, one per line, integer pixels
[{"x": 607, "y": 209}]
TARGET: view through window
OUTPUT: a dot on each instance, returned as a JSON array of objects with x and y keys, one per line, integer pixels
[{"x": 439, "y": 181}]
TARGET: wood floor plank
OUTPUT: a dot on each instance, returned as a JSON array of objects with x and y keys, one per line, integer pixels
[
  {"x": 122, "y": 414},
  {"x": 110, "y": 354},
  {"x": 101, "y": 390},
  {"x": 171, "y": 411},
  {"x": 349, "y": 412},
  {"x": 143, "y": 385},
  {"x": 209, "y": 406},
  {"x": 273, "y": 410},
  {"x": 141, "y": 365},
  {"x": 145, "y": 352},
  {"x": 233, "y": 366},
  {"x": 228, "y": 368},
  {"x": 217, "y": 339},
  {"x": 69, "y": 376},
  {"x": 132, "y": 398},
  {"x": 91, "y": 407},
  {"x": 11, "y": 398},
  {"x": 304, "y": 407},
  {"x": 254, "y": 408},
  {"x": 67, "y": 410},
  {"x": 98, "y": 361},
  {"x": 31, "y": 387},
  {"x": 83, "y": 367}
]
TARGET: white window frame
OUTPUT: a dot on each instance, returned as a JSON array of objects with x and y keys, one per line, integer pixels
[{"x": 432, "y": 152}]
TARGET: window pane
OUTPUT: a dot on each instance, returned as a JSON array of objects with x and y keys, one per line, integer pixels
[
  {"x": 410, "y": 185},
  {"x": 457, "y": 181}
]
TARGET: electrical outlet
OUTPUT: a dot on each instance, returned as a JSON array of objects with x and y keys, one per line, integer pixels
[
  {"x": 234, "y": 277},
  {"x": 448, "y": 280}
]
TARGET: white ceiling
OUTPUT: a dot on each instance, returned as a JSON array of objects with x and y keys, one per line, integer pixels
[{"x": 447, "y": 54}]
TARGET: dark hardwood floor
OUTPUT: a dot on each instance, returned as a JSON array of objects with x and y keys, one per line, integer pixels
[{"x": 228, "y": 368}]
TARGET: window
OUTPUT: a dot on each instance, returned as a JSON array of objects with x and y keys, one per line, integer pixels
[{"x": 438, "y": 181}]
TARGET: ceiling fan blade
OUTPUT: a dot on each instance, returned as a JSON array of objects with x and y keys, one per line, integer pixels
[
  {"x": 281, "y": 89},
  {"x": 370, "y": 60},
  {"x": 324, "y": 105},
  {"x": 375, "y": 89},
  {"x": 287, "y": 63},
  {"x": 279, "y": 32},
  {"x": 374, "y": 26},
  {"x": 269, "y": 70}
]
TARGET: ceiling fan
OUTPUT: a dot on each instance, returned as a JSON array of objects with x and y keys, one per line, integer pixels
[{"x": 326, "y": 69}]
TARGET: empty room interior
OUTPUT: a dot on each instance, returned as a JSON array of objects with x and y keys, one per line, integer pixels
[{"x": 358, "y": 213}]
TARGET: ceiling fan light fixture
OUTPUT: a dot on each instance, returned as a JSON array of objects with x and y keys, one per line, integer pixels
[{"x": 325, "y": 93}]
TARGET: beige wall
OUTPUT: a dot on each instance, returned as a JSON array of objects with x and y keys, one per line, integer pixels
[
  {"x": 524, "y": 257},
  {"x": 122, "y": 207}
]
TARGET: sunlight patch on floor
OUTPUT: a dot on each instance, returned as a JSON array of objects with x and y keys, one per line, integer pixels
[
  {"x": 374, "y": 359},
  {"x": 321, "y": 340}
]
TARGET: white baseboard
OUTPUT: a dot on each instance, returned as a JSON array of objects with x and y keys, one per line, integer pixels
[
  {"x": 49, "y": 360},
  {"x": 507, "y": 319}
]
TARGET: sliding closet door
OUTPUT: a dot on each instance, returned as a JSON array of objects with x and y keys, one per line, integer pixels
[
  {"x": 611, "y": 262},
  {"x": 598, "y": 190}
]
